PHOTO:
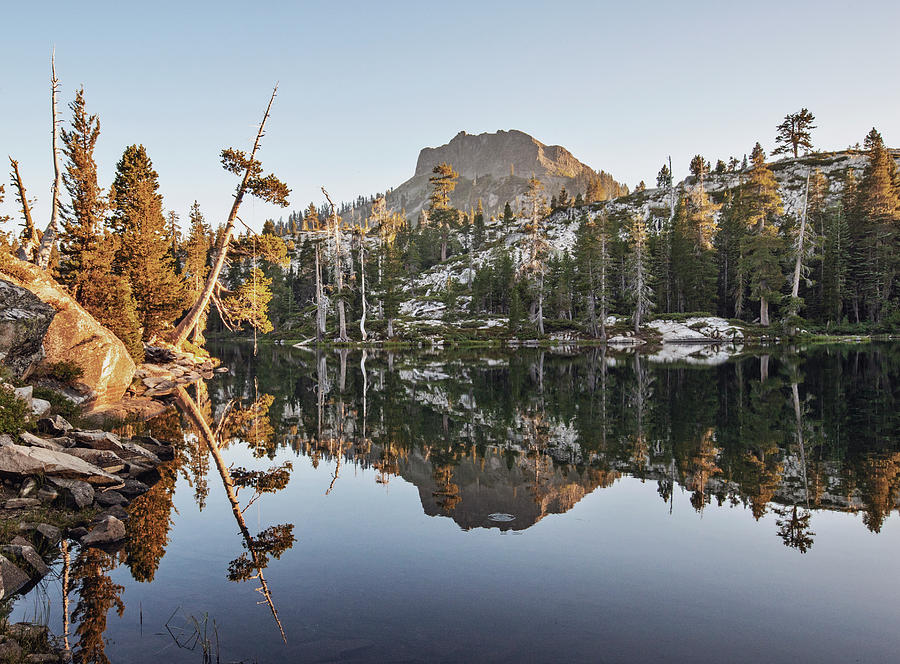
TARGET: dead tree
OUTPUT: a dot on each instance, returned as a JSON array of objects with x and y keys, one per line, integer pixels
[
  {"x": 338, "y": 271},
  {"x": 49, "y": 237},
  {"x": 265, "y": 187},
  {"x": 30, "y": 237}
]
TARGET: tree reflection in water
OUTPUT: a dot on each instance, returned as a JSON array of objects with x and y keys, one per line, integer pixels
[{"x": 253, "y": 425}]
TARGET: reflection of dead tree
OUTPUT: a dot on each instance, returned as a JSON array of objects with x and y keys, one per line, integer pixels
[
  {"x": 64, "y": 546},
  {"x": 258, "y": 560}
]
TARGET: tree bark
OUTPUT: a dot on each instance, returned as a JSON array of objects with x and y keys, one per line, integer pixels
[{"x": 183, "y": 329}]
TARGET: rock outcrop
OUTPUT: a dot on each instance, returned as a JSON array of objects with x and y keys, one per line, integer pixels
[
  {"x": 45, "y": 325},
  {"x": 24, "y": 320},
  {"x": 493, "y": 168}
]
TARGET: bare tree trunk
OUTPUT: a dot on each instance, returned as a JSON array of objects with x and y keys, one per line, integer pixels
[
  {"x": 183, "y": 329},
  {"x": 763, "y": 310},
  {"x": 338, "y": 273},
  {"x": 30, "y": 237},
  {"x": 49, "y": 238},
  {"x": 362, "y": 282},
  {"x": 798, "y": 264},
  {"x": 320, "y": 298},
  {"x": 540, "y": 310}
]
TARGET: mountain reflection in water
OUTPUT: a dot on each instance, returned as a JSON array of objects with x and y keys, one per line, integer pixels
[{"x": 491, "y": 440}]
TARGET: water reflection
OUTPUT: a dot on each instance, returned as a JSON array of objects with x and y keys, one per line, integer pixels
[{"x": 499, "y": 441}]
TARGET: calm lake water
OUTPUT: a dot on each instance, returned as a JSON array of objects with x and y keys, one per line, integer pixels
[{"x": 479, "y": 505}]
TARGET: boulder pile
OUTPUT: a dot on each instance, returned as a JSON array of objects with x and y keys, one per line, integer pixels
[{"x": 91, "y": 472}]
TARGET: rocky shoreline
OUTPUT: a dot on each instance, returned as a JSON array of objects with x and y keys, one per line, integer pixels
[{"x": 65, "y": 485}]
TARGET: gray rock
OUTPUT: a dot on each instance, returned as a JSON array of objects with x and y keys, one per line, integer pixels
[
  {"x": 47, "y": 494},
  {"x": 133, "y": 488},
  {"x": 12, "y": 579},
  {"x": 10, "y": 651},
  {"x": 25, "y": 394},
  {"x": 29, "y": 555},
  {"x": 109, "y": 530},
  {"x": 77, "y": 493},
  {"x": 77, "y": 533},
  {"x": 42, "y": 658},
  {"x": 6, "y": 439},
  {"x": 116, "y": 511},
  {"x": 105, "y": 459},
  {"x": 20, "y": 503},
  {"x": 25, "y": 631},
  {"x": 110, "y": 497},
  {"x": 43, "y": 531},
  {"x": 97, "y": 439},
  {"x": 36, "y": 441},
  {"x": 137, "y": 449},
  {"x": 20, "y": 460},
  {"x": 29, "y": 486},
  {"x": 24, "y": 320},
  {"x": 40, "y": 407},
  {"x": 55, "y": 426}
]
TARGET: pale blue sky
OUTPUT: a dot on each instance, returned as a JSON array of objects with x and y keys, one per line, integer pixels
[{"x": 365, "y": 85}]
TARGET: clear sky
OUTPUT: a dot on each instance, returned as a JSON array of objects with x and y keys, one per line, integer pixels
[{"x": 365, "y": 85}]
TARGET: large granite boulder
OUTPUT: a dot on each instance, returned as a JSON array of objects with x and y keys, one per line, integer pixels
[
  {"x": 31, "y": 335},
  {"x": 20, "y": 461}
]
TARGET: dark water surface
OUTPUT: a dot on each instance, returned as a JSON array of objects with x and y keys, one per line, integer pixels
[{"x": 531, "y": 506}]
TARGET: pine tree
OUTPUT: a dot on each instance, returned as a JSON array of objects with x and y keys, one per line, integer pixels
[
  {"x": 478, "y": 227},
  {"x": 763, "y": 247},
  {"x": 107, "y": 296},
  {"x": 640, "y": 289},
  {"x": 508, "y": 218},
  {"x": 664, "y": 178},
  {"x": 196, "y": 263},
  {"x": 144, "y": 256},
  {"x": 795, "y": 133},
  {"x": 440, "y": 211},
  {"x": 879, "y": 209},
  {"x": 249, "y": 304},
  {"x": 82, "y": 219}
]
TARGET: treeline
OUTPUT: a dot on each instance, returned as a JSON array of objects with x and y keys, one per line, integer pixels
[{"x": 833, "y": 265}]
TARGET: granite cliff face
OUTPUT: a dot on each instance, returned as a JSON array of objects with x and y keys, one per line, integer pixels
[{"x": 493, "y": 168}]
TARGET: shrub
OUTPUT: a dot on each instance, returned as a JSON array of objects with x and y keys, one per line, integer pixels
[{"x": 13, "y": 412}]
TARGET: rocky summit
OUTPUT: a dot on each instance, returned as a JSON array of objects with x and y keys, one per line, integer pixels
[{"x": 493, "y": 168}]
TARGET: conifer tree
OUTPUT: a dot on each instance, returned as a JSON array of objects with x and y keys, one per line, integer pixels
[
  {"x": 795, "y": 132},
  {"x": 144, "y": 256},
  {"x": 763, "y": 246},
  {"x": 508, "y": 218},
  {"x": 83, "y": 218},
  {"x": 478, "y": 227},
  {"x": 879, "y": 209},
  {"x": 107, "y": 296},
  {"x": 640, "y": 289},
  {"x": 196, "y": 263},
  {"x": 440, "y": 211},
  {"x": 249, "y": 304}
]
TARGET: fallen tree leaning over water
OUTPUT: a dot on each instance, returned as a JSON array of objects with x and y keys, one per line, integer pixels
[{"x": 266, "y": 187}]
